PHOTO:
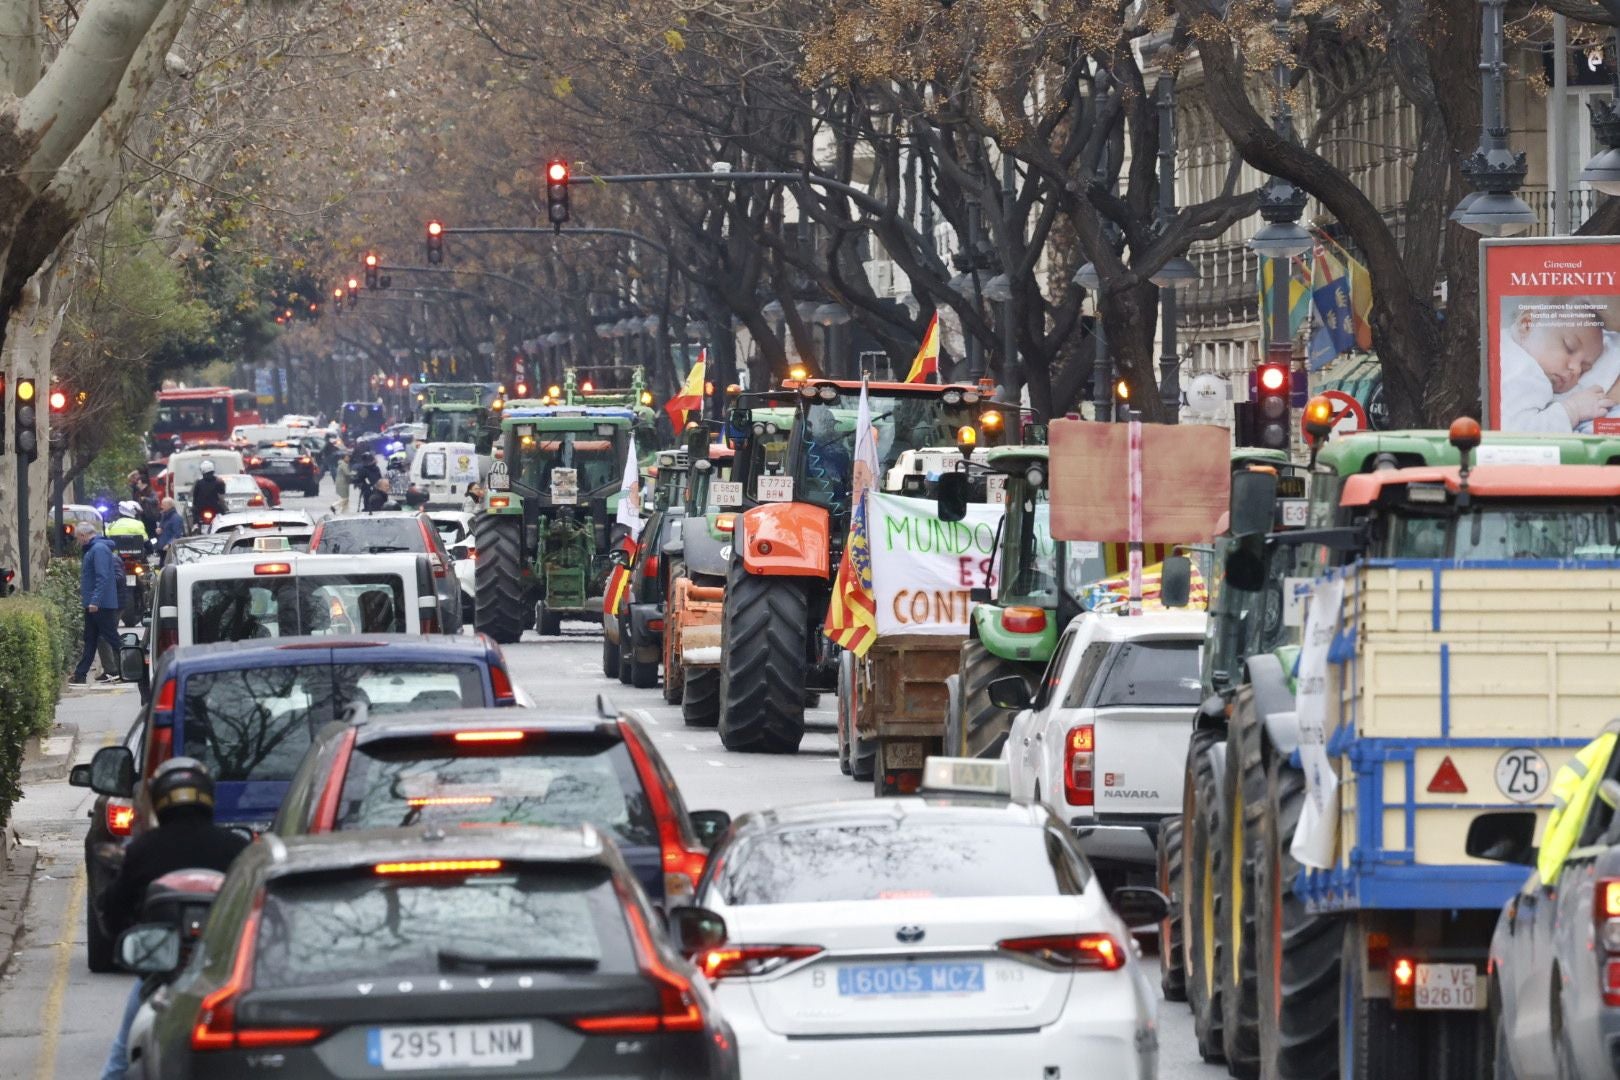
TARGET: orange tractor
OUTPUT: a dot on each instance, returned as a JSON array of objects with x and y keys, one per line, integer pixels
[{"x": 790, "y": 534}]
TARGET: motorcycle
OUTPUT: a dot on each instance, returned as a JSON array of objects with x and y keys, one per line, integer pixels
[
  {"x": 173, "y": 914},
  {"x": 137, "y": 592}
]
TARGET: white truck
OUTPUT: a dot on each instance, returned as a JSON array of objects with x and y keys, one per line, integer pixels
[{"x": 1103, "y": 738}]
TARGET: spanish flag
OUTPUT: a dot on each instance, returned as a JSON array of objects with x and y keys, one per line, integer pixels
[
  {"x": 926, "y": 366},
  {"x": 691, "y": 395}
]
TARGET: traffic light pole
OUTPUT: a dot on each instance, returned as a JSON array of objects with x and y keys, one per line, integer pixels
[{"x": 22, "y": 518}]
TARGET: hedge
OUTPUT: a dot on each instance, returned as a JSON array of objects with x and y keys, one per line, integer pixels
[{"x": 30, "y": 683}]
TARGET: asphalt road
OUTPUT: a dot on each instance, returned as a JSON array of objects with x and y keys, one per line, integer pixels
[{"x": 56, "y": 1018}]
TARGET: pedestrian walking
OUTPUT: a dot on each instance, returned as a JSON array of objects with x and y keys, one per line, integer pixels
[
  {"x": 171, "y": 526},
  {"x": 340, "y": 478},
  {"x": 98, "y": 592}
]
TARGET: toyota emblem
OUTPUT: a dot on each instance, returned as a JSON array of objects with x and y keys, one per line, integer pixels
[{"x": 909, "y": 935}]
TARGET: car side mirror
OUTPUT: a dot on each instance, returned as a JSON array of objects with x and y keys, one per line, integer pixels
[
  {"x": 952, "y": 493},
  {"x": 619, "y": 557},
  {"x": 1609, "y": 792},
  {"x": 979, "y": 594},
  {"x": 131, "y": 659},
  {"x": 149, "y": 949},
  {"x": 1139, "y": 906},
  {"x": 1175, "y": 581},
  {"x": 1254, "y": 498},
  {"x": 110, "y": 772},
  {"x": 694, "y": 929},
  {"x": 1507, "y": 836},
  {"x": 1009, "y": 692},
  {"x": 709, "y": 825}
]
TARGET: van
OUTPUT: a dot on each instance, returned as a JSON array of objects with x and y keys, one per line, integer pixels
[{"x": 444, "y": 470}]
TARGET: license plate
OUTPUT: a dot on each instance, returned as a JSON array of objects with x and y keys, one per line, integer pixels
[
  {"x": 1447, "y": 986},
  {"x": 129, "y": 579},
  {"x": 903, "y": 755},
  {"x": 458, "y": 1046},
  {"x": 877, "y": 980}
]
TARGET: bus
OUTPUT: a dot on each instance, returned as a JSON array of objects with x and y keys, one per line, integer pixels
[{"x": 200, "y": 414}]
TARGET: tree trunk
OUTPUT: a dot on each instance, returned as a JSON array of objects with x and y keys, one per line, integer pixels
[{"x": 31, "y": 332}]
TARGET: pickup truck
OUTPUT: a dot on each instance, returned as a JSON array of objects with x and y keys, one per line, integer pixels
[{"x": 1102, "y": 740}]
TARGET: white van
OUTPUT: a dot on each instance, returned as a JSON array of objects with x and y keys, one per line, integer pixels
[
  {"x": 185, "y": 467},
  {"x": 443, "y": 470}
]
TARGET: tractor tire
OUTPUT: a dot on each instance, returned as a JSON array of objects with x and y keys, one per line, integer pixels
[
  {"x": 764, "y": 662},
  {"x": 857, "y": 757},
  {"x": 625, "y": 652},
  {"x": 547, "y": 623},
  {"x": 499, "y": 578},
  {"x": 1244, "y": 801},
  {"x": 700, "y": 696},
  {"x": 643, "y": 673},
  {"x": 1172, "y": 940},
  {"x": 1297, "y": 954},
  {"x": 1202, "y": 886},
  {"x": 984, "y": 724},
  {"x": 610, "y": 657}
]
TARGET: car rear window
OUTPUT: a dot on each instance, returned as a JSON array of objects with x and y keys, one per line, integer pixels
[
  {"x": 542, "y": 781},
  {"x": 1151, "y": 673},
  {"x": 323, "y": 930},
  {"x": 268, "y": 606},
  {"x": 371, "y": 535},
  {"x": 256, "y": 724},
  {"x": 888, "y": 861}
]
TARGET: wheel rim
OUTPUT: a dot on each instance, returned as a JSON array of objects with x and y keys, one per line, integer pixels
[{"x": 1235, "y": 907}]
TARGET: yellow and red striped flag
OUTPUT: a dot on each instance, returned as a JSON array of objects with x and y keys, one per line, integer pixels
[
  {"x": 691, "y": 395},
  {"x": 926, "y": 364},
  {"x": 852, "y": 612}
]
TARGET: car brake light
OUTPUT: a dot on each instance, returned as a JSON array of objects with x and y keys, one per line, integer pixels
[
  {"x": 257, "y": 500},
  {"x": 165, "y": 696},
  {"x": 489, "y": 736},
  {"x": 216, "y": 1016},
  {"x": 120, "y": 817},
  {"x": 1078, "y": 750},
  {"x": 325, "y": 816},
  {"x": 501, "y": 683},
  {"x": 744, "y": 961},
  {"x": 655, "y": 624},
  {"x": 1606, "y": 901},
  {"x": 262, "y": 525},
  {"x": 268, "y": 568},
  {"x": 429, "y": 801},
  {"x": 1023, "y": 620},
  {"x": 1097, "y": 951},
  {"x": 678, "y": 1006},
  {"x": 472, "y": 553},
  {"x": 162, "y": 748},
  {"x": 439, "y": 866},
  {"x": 649, "y": 566},
  {"x": 682, "y": 866}
]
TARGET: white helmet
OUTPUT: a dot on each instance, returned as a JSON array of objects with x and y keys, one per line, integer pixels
[
  {"x": 206, "y": 468},
  {"x": 129, "y": 508}
]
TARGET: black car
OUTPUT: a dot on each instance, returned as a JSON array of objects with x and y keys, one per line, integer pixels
[
  {"x": 112, "y": 820},
  {"x": 404, "y": 530},
  {"x": 513, "y": 952},
  {"x": 285, "y": 462}
]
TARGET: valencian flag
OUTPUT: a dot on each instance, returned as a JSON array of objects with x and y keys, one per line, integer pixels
[
  {"x": 926, "y": 366},
  {"x": 852, "y": 614},
  {"x": 1116, "y": 591},
  {"x": 691, "y": 395}
]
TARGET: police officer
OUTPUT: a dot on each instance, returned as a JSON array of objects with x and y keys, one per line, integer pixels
[
  {"x": 208, "y": 493},
  {"x": 181, "y": 793},
  {"x": 128, "y": 522}
]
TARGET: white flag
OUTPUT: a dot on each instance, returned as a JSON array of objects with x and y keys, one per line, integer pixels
[{"x": 629, "y": 513}]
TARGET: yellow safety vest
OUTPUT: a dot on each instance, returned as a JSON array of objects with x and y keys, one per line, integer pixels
[
  {"x": 126, "y": 527},
  {"x": 1573, "y": 789}
]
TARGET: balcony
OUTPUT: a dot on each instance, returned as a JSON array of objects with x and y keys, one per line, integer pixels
[{"x": 1583, "y": 204}]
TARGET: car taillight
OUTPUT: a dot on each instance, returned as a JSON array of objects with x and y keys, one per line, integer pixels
[
  {"x": 120, "y": 817},
  {"x": 164, "y": 702},
  {"x": 1606, "y": 901},
  {"x": 216, "y": 1017},
  {"x": 1023, "y": 620},
  {"x": 1078, "y": 751},
  {"x": 1097, "y": 951},
  {"x": 472, "y": 553},
  {"x": 501, "y": 683},
  {"x": 168, "y": 637},
  {"x": 496, "y": 736},
  {"x": 270, "y": 568},
  {"x": 430, "y": 867},
  {"x": 1403, "y": 983},
  {"x": 682, "y": 865},
  {"x": 649, "y": 566},
  {"x": 678, "y": 1005},
  {"x": 257, "y": 500},
  {"x": 742, "y": 961},
  {"x": 161, "y": 748},
  {"x": 438, "y": 563},
  {"x": 306, "y": 461}
]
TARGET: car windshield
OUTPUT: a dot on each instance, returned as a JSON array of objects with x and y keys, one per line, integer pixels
[
  {"x": 542, "y": 781},
  {"x": 370, "y": 535},
  {"x": 898, "y": 861},
  {"x": 549, "y": 456},
  {"x": 240, "y": 484},
  {"x": 256, "y": 724},
  {"x": 275, "y": 605},
  {"x": 182, "y": 416},
  {"x": 452, "y": 426},
  {"x": 901, "y": 423},
  {"x": 1498, "y": 530},
  {"x": 315, "y": 931}
]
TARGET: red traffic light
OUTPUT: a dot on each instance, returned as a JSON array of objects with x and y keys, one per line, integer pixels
[
  {"x": 1273, "y": 377},
  {"x": 371, "y": 260},
  {"x": 557, "y": 172},
  {"x": 435, "y": 228},
  {"x": 59, "y": 400}
]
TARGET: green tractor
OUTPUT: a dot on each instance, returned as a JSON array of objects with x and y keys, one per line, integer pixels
[
  {"x": 548, "y": 527},
  {"x": 460, "y": 412}
]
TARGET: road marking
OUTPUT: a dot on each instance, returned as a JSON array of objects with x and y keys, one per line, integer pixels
[{"x": 50, "y": 1017}]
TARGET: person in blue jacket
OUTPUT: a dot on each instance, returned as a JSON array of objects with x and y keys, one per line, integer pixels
[
  {"x": 171, "y": 526},
  {"x": 98, "y": 592}
]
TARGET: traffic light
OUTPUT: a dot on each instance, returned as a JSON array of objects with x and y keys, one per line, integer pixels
[
  {"x": 58, "y": 400},
  {"x": 27, "y": 422},
  {"x": 435, "y": 242},
  {"x": 1271, "y": 414},
  {"x": 372, "y": 262},
  {"x": 557, "y": 192},
  {"x": 354, "y": 291}
]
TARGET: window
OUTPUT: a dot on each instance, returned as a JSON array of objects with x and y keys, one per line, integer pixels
[
  {"x": 1151, "y": 673},
  {"x": 238, "y": 609},
  {"x": 1054, "y": 672},
  {"x": 433, "y": 466},
  {"x": 1091, "y": 662},
  {"x": 371, "y": 535},
  {"x": 324, "y": 930},
  {"x": 898, "y": 861},
  {"x": 178, "y": 417}
]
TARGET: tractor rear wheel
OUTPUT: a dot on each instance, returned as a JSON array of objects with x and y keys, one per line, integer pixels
[
  {"x": 984, "y": 725},
  {"x": 673, "y": 670},
  {"x": 499, "y": 577},
  {"x": 764, "y": 662}
]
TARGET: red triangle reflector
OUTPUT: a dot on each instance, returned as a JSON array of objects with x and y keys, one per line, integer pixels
[{"x": 1447, "y": 780}]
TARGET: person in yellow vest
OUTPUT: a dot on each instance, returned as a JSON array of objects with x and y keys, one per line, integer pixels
[
  {"x": 1573, "y": 788},
  {"x": 128, "y": 522}
]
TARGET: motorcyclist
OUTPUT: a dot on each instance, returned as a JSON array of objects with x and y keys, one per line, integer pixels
[
  {"x": 364, "y": 473},
  {"x": 128, "y": 522},
  {"x": 208, "y": 493},
  {"x": 181, "y": 794}
]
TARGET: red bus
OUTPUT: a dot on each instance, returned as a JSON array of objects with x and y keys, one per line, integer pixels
[{"x": 200, "y": 414}]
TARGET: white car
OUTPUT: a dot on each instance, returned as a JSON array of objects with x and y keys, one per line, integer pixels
[
  {"x": 455, "y": 528},
  {"x": 241, "y": 492},
  {"x": 931, "y": 936},
  {"x": 1103, "y": 743},
  {"x": 265, "y": 518}
]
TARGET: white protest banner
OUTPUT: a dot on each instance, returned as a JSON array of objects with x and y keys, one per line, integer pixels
[
  {"x": 924, "y": 569},
  {"x": 1315, "y": 836}
]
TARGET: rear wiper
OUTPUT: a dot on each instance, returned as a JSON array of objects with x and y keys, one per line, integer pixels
[
  {"x": 378, "y": 549},
  {"x": 454, "y": 960}
]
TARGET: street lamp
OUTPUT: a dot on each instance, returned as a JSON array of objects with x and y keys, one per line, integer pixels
[
  {"x": 1603, "y": 171},
  {"x": 1178, "y": 270},
  {"x": 1494, "y": 169}
]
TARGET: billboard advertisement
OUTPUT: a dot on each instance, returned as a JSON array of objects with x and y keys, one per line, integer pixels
[{"x": 1550, "y": 333}]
